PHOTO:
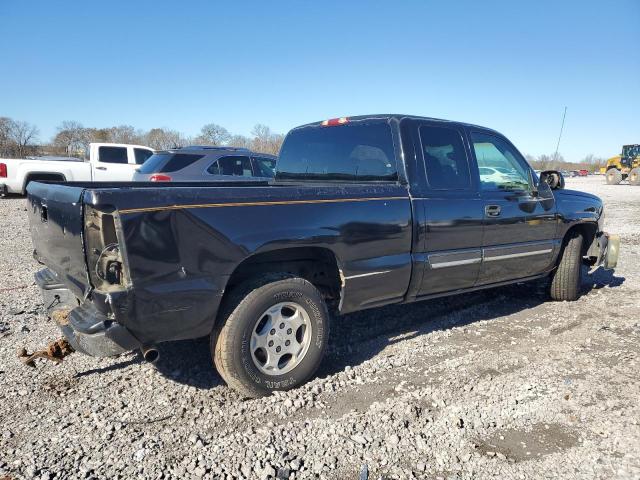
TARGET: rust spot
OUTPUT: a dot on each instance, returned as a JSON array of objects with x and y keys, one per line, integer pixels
[{"x": 55, "y": 352}]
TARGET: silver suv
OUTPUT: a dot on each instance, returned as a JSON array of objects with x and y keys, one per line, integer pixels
[{"x": 206, "y": 164}]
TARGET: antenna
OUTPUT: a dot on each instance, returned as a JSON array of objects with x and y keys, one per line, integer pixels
[{"x": 555, "y": 155}]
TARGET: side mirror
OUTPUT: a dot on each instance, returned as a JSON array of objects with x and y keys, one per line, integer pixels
[{"x": 553, "y": 178}]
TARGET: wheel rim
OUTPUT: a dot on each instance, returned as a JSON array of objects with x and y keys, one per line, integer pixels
[{"x": 280, "y": 338}]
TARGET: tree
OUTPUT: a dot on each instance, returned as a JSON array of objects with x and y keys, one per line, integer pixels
[
  {"x": 124, "y": 134},
  {"x": 164, "y": 139},
  {"x": 239, "y": 141},
  {"x": 213, "y": 134},
  {"x": 264, "y": 140},
  {"x": 20, "y": 137},
  {"x": 72, "y": 137}
]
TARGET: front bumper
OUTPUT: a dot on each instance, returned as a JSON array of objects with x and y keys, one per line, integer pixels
[
  {"x": 608, "y": 250},
  {"x": 86, "y": 329}
]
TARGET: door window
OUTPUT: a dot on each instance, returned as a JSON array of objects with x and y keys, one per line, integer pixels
[
  {"x": 265, "y": 167},
  {"x": 235, "y": 165},
  {"x": 445, "y": 159},
  {"x": 499, "y": 164},
  {"x": 141, "y": 155},
  {"x": 113, "y": 155}
]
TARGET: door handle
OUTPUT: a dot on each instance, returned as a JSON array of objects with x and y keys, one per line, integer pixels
[
  {"x": 101, "y": 168},
  {"x": 492, "y": 210}
]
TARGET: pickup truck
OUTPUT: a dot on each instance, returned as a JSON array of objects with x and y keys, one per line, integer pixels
[
  {"x": 363, "y": 212},
  {"x": 107, "y": 162}
]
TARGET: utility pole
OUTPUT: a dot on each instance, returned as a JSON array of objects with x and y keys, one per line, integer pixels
[{"x": 555, "y": 156}]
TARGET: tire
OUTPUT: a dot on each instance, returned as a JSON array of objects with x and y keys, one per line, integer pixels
[
  {"x": 262, "y": 304},
  {"x": 566, "y": 280},
  {"x": 614, "y": 176},
  {"x": 634, "y": 176}
]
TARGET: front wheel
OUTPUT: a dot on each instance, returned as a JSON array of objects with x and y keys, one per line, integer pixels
[
  {"x": 566, "y": 280},
  {"x": 634, "y": 176},
  {"x": 274, "y": 336}
]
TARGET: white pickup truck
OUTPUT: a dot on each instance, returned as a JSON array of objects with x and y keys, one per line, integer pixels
[{"x": 112, "y": 162}]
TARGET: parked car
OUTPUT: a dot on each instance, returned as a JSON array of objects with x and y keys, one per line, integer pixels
[
  {"x": 206, "y": 164},
  {"x": 364, "y": 212},
  {"x": 107, "y": 162},
  {"x": 583, "y": 172}
]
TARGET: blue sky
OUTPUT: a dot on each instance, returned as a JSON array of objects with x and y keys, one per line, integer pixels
[{"x": 509, "y": 65}]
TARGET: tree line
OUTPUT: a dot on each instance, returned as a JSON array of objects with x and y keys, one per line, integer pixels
[{"x": 20, "y": 139}]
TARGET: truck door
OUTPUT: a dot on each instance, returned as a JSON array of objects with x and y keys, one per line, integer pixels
[
  {"x": 112, "y": 164},
  {"x": 520, "y": 224},
  {"x": 451, "y": 207}
]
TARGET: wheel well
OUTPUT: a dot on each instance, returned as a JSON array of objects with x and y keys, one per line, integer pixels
[
  {"x": 33, "y": 177},
  {"x": 588, "y": 232},
  {"x": 317, "y": 265}
]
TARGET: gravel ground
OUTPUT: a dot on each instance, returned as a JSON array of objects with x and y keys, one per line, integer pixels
[{"x": 494, "y": 384}]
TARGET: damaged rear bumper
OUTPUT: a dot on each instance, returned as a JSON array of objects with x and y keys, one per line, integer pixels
[{"x": 86, "y": 329}]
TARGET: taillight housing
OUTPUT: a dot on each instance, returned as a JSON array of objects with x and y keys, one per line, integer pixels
[
  {"x": 159, "y": 177},
  {"x": 103, "y": 249},
  {"x": 3, "y": 170},
  {"x": 333, "y": 122}
]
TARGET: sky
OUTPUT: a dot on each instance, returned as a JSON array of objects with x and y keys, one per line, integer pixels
[{"x": 508, "y": 65}]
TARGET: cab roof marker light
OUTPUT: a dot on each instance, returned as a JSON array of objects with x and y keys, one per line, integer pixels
[{"x": 332, "y": 122}]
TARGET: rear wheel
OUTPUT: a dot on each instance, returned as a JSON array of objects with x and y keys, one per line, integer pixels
[
  {"x": 634, "y": 176},
  {"x": 566, "y": 280},
  {"x": 614, "y": 176},
  {"x": 274, "y": 337}
]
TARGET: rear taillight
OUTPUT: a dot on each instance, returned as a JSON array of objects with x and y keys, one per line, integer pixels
[
  {"x": 158, "y": 177},
  {"x": 3, "y": 170}
]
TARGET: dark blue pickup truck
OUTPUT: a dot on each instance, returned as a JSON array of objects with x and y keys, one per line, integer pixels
[{"x": 363, "y": 212}]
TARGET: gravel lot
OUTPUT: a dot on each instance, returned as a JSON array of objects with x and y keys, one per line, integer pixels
[{"x": 499, "y": 384}]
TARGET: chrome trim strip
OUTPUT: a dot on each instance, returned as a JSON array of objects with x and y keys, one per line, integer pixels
[
  {"x": 455, "y": 263},
  {"x": 366, "y": 274},
  {"x": 516, "y": 255}
]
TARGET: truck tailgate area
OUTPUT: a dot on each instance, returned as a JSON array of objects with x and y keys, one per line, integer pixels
[{"x": 56, "y": 222}]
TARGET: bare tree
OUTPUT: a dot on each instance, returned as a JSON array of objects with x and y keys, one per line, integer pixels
[
  {"x": 22, "y": 137},
  {"x": 264, "y": 140},
  {"x": 72, "y": 137},
  {"x": 213, "y": 134},
  {"x": 5, "y": 126},
  {"x": 124, "y": 134},
  {"x": 239, "y": 141},
  {"x": 164, "y": 139}
]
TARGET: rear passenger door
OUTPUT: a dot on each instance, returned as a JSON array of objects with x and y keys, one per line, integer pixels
[
  {"x": 451, "y": 208},
  {"x": 520, "y": 224}
]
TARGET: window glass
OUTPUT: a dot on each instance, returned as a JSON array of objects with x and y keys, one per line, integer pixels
[
  {"x": 141, "y": 155},
  {"x": 445, "y": 159},
  {"x": 265, "y": 167},
  {"x": 498, "y": 164},
  {"x": 168, "y": 162},
  {"x": 355, "y": 152},
  {"x": 113, "y": 155},
  {"x": 234, "y": 165}
]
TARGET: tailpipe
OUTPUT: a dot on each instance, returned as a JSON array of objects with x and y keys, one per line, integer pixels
[{"x": 150, "y": 354}]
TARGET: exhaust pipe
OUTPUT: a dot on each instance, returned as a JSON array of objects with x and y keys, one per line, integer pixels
[{"x": 150, "y": 354}]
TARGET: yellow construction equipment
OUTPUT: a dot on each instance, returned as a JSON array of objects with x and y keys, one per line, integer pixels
[{"x": 625, "y": 166}]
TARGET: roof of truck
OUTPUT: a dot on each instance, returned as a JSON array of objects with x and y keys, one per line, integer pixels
[{"x": 396, "y": 116}]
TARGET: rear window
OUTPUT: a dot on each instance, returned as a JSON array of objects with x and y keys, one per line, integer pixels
[
  {"x": 265, "y": 167},
  {"x": 113, "y": 155},
  {"x": 141, "y": 155},
  {"x": 168, "y": 162},
  {"x": 352, "y": 152}
]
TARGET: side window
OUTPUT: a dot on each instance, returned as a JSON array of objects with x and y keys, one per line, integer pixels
[
  {"x": 499, "y": 164},
  {"x": 113, "y": 155},
  {"x": 141, "y": 155},
  {"x": 445, "y": 159},
  {"x": 235, "y": 165},
  {"x": 265, "y": 167}
]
